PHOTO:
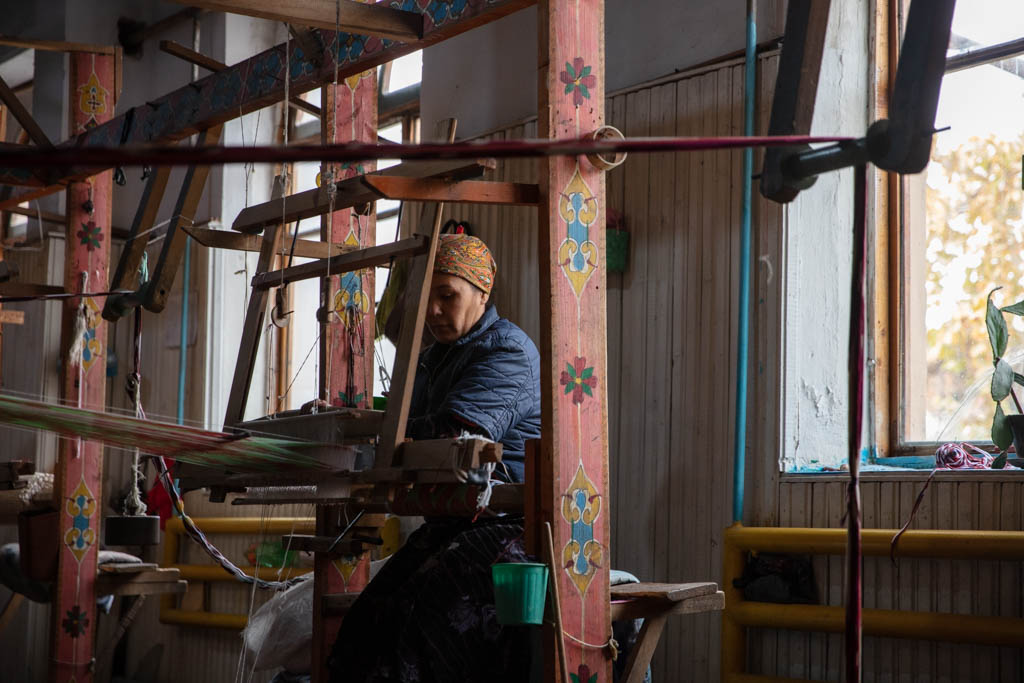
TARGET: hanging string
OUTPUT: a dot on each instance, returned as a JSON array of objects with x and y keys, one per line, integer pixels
[{"x": 133, "y": 385}]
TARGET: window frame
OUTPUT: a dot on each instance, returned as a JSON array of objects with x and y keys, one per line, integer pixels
[{"x": 893, "y": 213}]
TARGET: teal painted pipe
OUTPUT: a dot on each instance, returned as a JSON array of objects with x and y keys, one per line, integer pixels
[{"x": 743, "y": 333}]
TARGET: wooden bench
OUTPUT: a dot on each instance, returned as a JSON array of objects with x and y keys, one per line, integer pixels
[{"x": 654, "y": 603}]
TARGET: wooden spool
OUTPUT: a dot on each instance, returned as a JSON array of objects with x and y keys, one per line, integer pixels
[
  {"x": 132, "y": 530},
  {"x": 601, "y": 161}
]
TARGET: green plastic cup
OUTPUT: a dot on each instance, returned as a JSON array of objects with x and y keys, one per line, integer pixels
[
  {"x": 380, "y": 402},
  {"x": 520, "y": 590}
]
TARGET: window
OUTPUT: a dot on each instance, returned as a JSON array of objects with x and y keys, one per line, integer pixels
[{"x": 962, "y": 236}]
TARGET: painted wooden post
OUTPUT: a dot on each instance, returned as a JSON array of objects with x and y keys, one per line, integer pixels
[
  {"x": 347, "y": 361},
  {"x": 573, "y": 467},
  {"x": 79, "y": 472}
]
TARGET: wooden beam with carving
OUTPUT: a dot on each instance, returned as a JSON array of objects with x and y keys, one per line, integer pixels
[
  {"x": 348, "y": 15},
  {"x": 255, "y": 83},
  {"x": 351, "y": 192},
  {"x": 211, "y": 64},
  {"x": 227, "y": 239}
]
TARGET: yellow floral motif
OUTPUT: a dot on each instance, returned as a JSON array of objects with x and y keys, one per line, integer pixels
[
  {"x": 92, "y": 97},
  {"x": 583, "y": 555},
  {"x": 577, "y": 255},
  {"x": 81, "y": 507},
  {"x": 346, "y": 566}
]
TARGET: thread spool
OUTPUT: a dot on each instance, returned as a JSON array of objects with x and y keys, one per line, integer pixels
[{"x": 601, "y": 161}]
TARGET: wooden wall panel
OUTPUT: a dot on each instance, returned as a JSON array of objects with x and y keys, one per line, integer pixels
[
  {"x": 671, "y": 337},
  {"x": 990, "y": 501}
]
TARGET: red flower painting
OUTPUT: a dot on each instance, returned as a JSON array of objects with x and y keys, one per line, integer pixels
[
  {"x": 578, "y": 80},
  {"x": 578, "y": 379}
]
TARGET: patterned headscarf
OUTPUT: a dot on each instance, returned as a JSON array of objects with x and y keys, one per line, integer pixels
[{"x": 467, "y": 257}]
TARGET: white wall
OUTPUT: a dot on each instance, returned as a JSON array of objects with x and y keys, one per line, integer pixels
[{"x": 486, "y": 78}]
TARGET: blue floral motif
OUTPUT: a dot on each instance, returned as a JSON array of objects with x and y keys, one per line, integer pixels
[
  {"x": 226, "y": 88},
  {"x": 443, "y": 10},
  {"x": 300, "y": 66},
  {"x": 263, "y": 75},
  {"x": 350, "y": 47}
]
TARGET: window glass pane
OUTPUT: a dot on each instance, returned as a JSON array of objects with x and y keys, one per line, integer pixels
[
  {"x": 969, "y": 240},
  {"x": 977, "y": 23},
  {"x": 406, "y": 71}
]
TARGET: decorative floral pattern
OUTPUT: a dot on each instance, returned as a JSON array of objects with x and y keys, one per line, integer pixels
[
  {"x": 442, "y": 11},
  {"x": 90, "y": 235},
  {"x": 344, "y": 401},
  {"x": 583, "y": 555},
  {"x": 578, "y": 380},
  {"x": 578, "y": 80},
  {"x": 577, "y": 255},
  {"x": 75, "y": 622},
  {"x": 263, "y": 74},
  {"x": 81, "y": 507},
  {"x": 92, "y": 97},
  {"x": 583, "y": 675}
]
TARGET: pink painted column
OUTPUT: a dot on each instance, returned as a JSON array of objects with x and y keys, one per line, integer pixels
[
  {"x": 573, "y": 464},
  {"x": 347, "y": 367},
  {"x": 79, "y": 473}
]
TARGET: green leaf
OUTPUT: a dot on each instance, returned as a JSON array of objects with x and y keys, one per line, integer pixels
[
  {"x": 1002, "y": 380},
  {"x": 571, "y": 71},
  {"x": 996, "y": 324},
  {"x": 1002, "y": 435},
  {"x": 569, "y": 387},
  {"x": 1016, "y": 309},
  {"x": 585, "y": 72},
  {"x": 575, "y": 678},
  {"x": 587, "y": 390},
  {"x": 568, "y": 88},
  {"x": 571, "y": 370},
  {"x": 1000, "y": 462},
  {"x": 587, "y": 373},
  {"x": 593, "y": 679},
  {"x": 583, "y": 89},
  {"x": 1018, "y": 378}
]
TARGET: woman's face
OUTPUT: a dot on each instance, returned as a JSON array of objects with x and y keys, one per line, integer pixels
[{"x": 454, "y": 307}]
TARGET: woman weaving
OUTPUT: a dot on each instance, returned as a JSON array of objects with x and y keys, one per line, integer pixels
[{"x": 428, "y": 615}]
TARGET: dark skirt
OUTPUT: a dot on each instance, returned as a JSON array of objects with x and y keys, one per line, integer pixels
[{"x": 428, "y": 616}]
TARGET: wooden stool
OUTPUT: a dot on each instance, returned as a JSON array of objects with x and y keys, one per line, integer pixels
[{"x": 654, "y": 603}]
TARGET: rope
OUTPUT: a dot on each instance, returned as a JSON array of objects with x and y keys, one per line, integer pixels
[{"x": 611, "y": 644}]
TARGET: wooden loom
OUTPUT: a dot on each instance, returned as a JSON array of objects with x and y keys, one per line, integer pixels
[{"x": 567, "y": 477}]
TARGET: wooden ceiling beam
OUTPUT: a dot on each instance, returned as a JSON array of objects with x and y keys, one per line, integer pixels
[
  {"x": 56, "y": 45},
  {"x": 371, "y": 19},
  {"x": 209, "y": 63},
  {"x": 35, "y": 132},
  {"x": 251, "y": 85},
  {"x": 228, "y": 239}
]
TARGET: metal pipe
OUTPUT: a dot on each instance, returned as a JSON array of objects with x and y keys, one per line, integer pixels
[
  {"x": 967, "y": 544},
  {"x": 86, "y": 161},
  {"x": 743, "y": 331},
  {"x": 978, "y": 545},
  {"x": 886, "y": 623}
]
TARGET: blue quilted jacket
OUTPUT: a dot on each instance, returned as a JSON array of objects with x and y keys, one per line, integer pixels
[{"x": 487, "y": 382}]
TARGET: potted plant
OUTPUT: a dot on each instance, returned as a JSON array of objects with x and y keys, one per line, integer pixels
[{"x": 1006, "y": 429}]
